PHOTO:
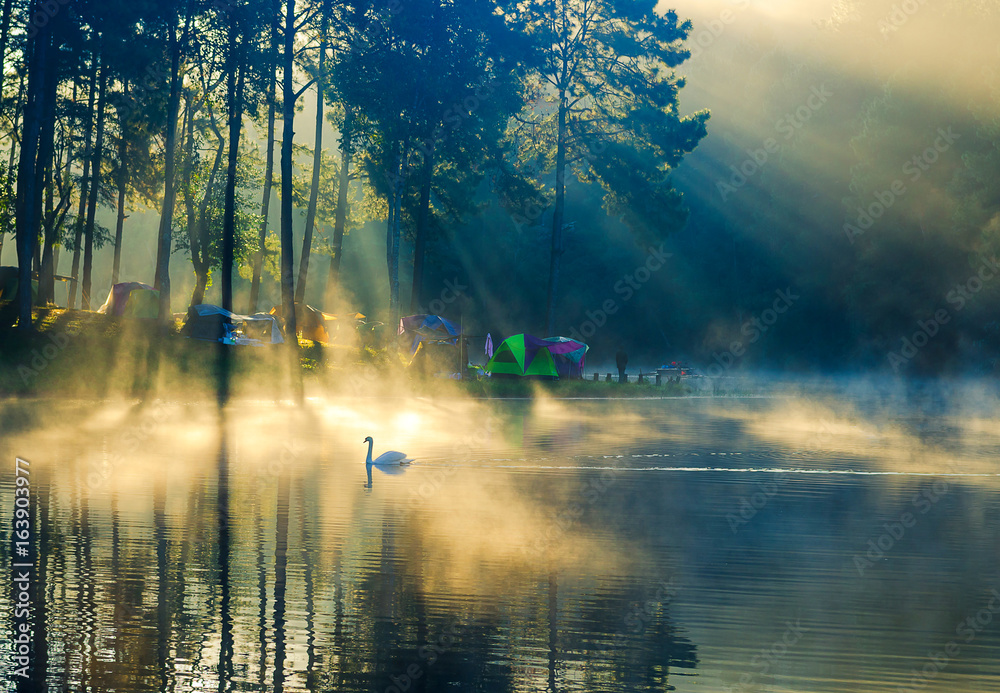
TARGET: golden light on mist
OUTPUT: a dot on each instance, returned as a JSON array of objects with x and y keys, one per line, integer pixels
[
  {"x": 407, "y": 422},
  {"x": 839, "y": 430}
]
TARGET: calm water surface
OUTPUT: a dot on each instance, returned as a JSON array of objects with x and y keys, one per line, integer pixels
[{"x": 781, "y": 544}]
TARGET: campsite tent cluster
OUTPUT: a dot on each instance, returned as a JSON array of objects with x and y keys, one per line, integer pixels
[
  {"x": 521, "y": 355},
  {"x": 524, "y": 355},
  {"x": 215, "y": 324}
]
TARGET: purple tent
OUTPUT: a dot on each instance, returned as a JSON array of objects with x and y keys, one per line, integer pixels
[{"x": 569, "y": 355}]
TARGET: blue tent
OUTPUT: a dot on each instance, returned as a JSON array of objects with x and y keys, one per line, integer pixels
[{"x": 428, "y": 328}]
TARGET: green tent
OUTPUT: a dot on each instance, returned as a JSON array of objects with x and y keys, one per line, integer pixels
[
  {"x": 523, "y": 355},
  {"x": 8, "y": 285}
]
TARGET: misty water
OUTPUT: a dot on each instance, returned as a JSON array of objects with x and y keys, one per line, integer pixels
[{"x": 785, "y": 543}]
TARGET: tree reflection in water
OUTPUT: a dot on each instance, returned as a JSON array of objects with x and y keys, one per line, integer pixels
[{"x": 164, "y": 580}]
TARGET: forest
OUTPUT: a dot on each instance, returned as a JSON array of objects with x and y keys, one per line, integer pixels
[{"x": 808, "y": 186}]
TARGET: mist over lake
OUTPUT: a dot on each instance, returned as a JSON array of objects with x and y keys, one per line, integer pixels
[{"x": 500, "y": 346}]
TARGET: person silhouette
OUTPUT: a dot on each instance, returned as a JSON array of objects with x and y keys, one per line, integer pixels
[{"x": 621, "y": 358}]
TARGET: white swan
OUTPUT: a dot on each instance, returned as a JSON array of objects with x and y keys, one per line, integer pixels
[{"x": 386, "y": 459}]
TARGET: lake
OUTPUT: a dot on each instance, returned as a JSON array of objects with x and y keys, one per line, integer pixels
[{"x": 843, "y": 541}]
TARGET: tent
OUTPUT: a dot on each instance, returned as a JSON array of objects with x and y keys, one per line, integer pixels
[
  {"x": 569, "y": 356},
  {"x": 315, "y": 325},
  {"x": 523, "y": 355},
  {"x": 428, "y": 328},
  {"x": 216, "y": 324},
  {"x": 8, "y": 285},
  {"x": 132, "y": 300}
]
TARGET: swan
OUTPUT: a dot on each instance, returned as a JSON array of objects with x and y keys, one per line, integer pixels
[{"x": 390, "y": 458}]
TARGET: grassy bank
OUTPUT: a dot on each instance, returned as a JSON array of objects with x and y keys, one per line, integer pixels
[{"x": 501, "y": 388}]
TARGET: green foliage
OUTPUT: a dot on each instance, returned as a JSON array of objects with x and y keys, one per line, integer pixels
[
  {"x": 103, "y": 236},
  {"x": 606, "y": 68},
  {"x": 212, "y": 193},
  {"x": 6, "y": 200}
]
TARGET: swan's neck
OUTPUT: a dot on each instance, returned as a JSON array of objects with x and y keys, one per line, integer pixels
[{"x": 369, "y": 460}]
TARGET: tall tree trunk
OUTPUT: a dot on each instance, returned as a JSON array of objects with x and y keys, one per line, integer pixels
[
  {"x": 14, "y": 127},
  {"x": 420, "y": 239},
  {"x": 201, "y": 249},
  {"x": 265, "y": 204},
  {"x": 191, "y": 218},
  {"x": 557, "y": 217},
  {"x": 4, "y": 35},
  {"x": 46, "y": 280},
  {"x": 95, "y": 185},
  {"x": 8, "y": 6},
  {"x": 201, "y": 276},
  {"x": 300, "y": 289},
  {"x": 389, "y": 224},
  {"x": 27, "y": 205},
  {"x": 346, "y": 152},
  {"x": 13, "y": 149},
  {"x": 119, "y": 228},
  {"x": 162, "y": 279},
  {"x": 36, "y": 254},
  {"x": 46, "y": 167},
  {"x": 53, "y": 221},
  {"x": 122, "y": 185},
  {"x": 288, "y": 133},
  {"x": 84, "y": 184},
  {"x": 235, "y": 105},
  {"x": 400, "y": 187}
]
